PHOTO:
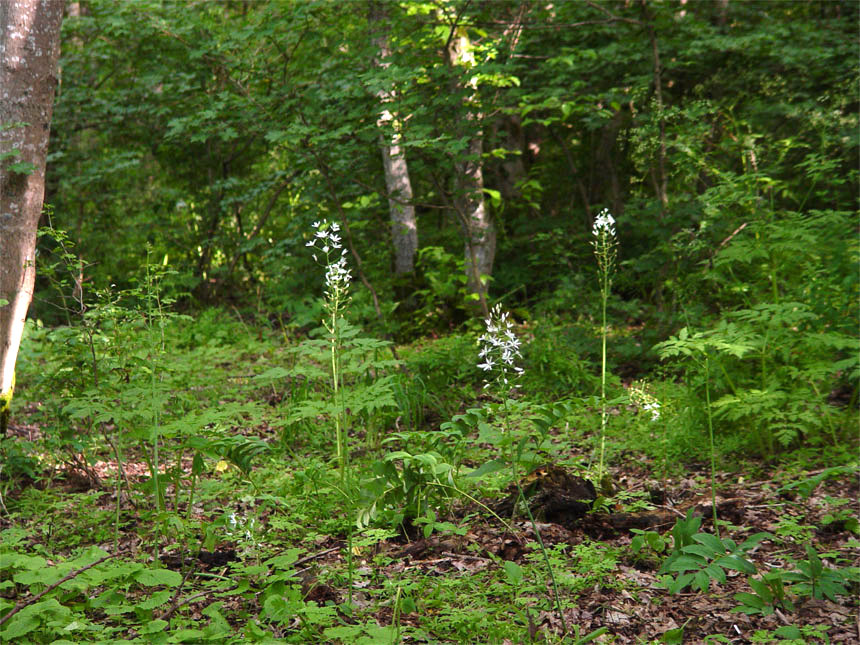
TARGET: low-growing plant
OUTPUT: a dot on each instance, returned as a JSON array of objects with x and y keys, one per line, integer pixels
[
  {"x": 791, "y": 635},
  {"x": 699, "y": 558},
  {"x": 645, "y": 543},
  {"x": 57, "y": 601},
  {"x": 812, "y": 578},
  {"x": 789, "y": 529},
  {"x": 404, "y": 489},
  {"x": 768, "y": 594}
]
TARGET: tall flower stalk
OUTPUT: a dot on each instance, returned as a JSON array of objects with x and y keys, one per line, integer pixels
[
  {"x": 606, "y": 251},
  {"x": 327, "y": 242},
  {"x": 500, "y": 350}
]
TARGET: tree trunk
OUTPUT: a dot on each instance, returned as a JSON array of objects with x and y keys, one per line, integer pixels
[
  {"x": 404, "y": 228},
  {"x": 29, "y": 50},
  {"x": 480, "y": 232}
]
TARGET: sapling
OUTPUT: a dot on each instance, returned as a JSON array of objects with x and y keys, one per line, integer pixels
[{"x": 606, "y": 251}]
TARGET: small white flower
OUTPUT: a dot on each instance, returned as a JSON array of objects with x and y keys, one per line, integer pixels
[
  {"x": 654, "y": 409},
  {"x": 604, "y": 223},
  {"x": 486, "y": 365},
  {"x": 640, "y": 395}
]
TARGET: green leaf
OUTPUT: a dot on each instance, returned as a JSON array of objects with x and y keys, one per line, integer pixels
[
  {"x": 750, "y": 600},
  {"x": 701, "y": 581},
  {"x": 155, "y": 600},
  {"x": 46, "y": 576},
  {"x": 514, "y": 572},
  {"x": 685, "y": 563},
  {"x": 711, "y": 541},
  {"x": 715, "y": 573},
  {"x": 762, "y": 589},
  {"x": 815, "y": 565},
  {"x": 673, "y": 636},
  {"x": 284, "y": 561},
  {"x": 736, "y": 563},
  {"x": 153, "y": 577},
  {"x": 788, "y": 631},
  {"x": 273, "y": 374},
  {"x": 495, "y": 197},
  {"x": 20, "y": 625},
  {"x": 153, "y": 626},
  {"x": 677, "y": 585},
  {"x": 700, "y": 550},
  {"x": 187, "y": 636},
  {"x": 488, "y": 468},
  {"x": 592, "y": 636},
  {"x": 345, "y": 633},
  {"x": 753, "y": 541}
]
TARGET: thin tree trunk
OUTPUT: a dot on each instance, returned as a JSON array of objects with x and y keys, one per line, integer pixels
[
  {"x": 404, "y": 228},
  {"x": 480, "y": 231},
  {"x": 29, "y": 50}
]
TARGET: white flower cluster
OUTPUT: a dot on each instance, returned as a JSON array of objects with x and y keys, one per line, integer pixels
[
  {"x": 500, "y": 347},
  {"x": 604, "y": 223},
  {"x": 605, "y": 246},
  {"x": 646, "y": 401},
  {"x": 327, "y": 240},
  {"x": 240, "y": 528},
  {"x": 337, "y": 276}
]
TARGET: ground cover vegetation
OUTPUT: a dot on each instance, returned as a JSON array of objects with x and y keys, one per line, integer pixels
[{"x": 442, "y": 322}]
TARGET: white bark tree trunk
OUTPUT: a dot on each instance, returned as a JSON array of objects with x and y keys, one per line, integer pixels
[
  {"x": 404, "y": 228},
  {"x": 480, "y": 232},
  {"x": 29, "y": 50}
]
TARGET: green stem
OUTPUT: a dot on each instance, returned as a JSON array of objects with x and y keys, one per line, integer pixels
[
  {"x": 522, "y": 498},
  {"x": 728, "y": 378},
  {"x": 545, "y": 557},
  {"x": 150, "y": 289},
  {"x": 711, "y": 437},
  {"x": 118, "y": 454},
  {"x": 335, "y": 386},
  {"x": 604, "y": 298},
  {"x": 349, "y": 564}
]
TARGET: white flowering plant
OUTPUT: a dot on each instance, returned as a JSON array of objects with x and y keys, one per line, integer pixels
[
  {"x": 605, "y": 245},
  {"x": 500, "y": 349},
  {"x": 327, "y": 241},
  {"x": 641, "y": 396},
  {"x": 498, "y": 356}
]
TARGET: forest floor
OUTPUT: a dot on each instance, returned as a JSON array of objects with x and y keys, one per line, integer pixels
[
  {"x": 271, "y": 553},
  {"x": 606, "y": 585}
]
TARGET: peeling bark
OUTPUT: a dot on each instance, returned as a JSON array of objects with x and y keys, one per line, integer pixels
[{"x": 29, "y": 50}]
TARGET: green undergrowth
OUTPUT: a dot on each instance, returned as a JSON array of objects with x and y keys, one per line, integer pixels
[{"x": 245, "y": 534}]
